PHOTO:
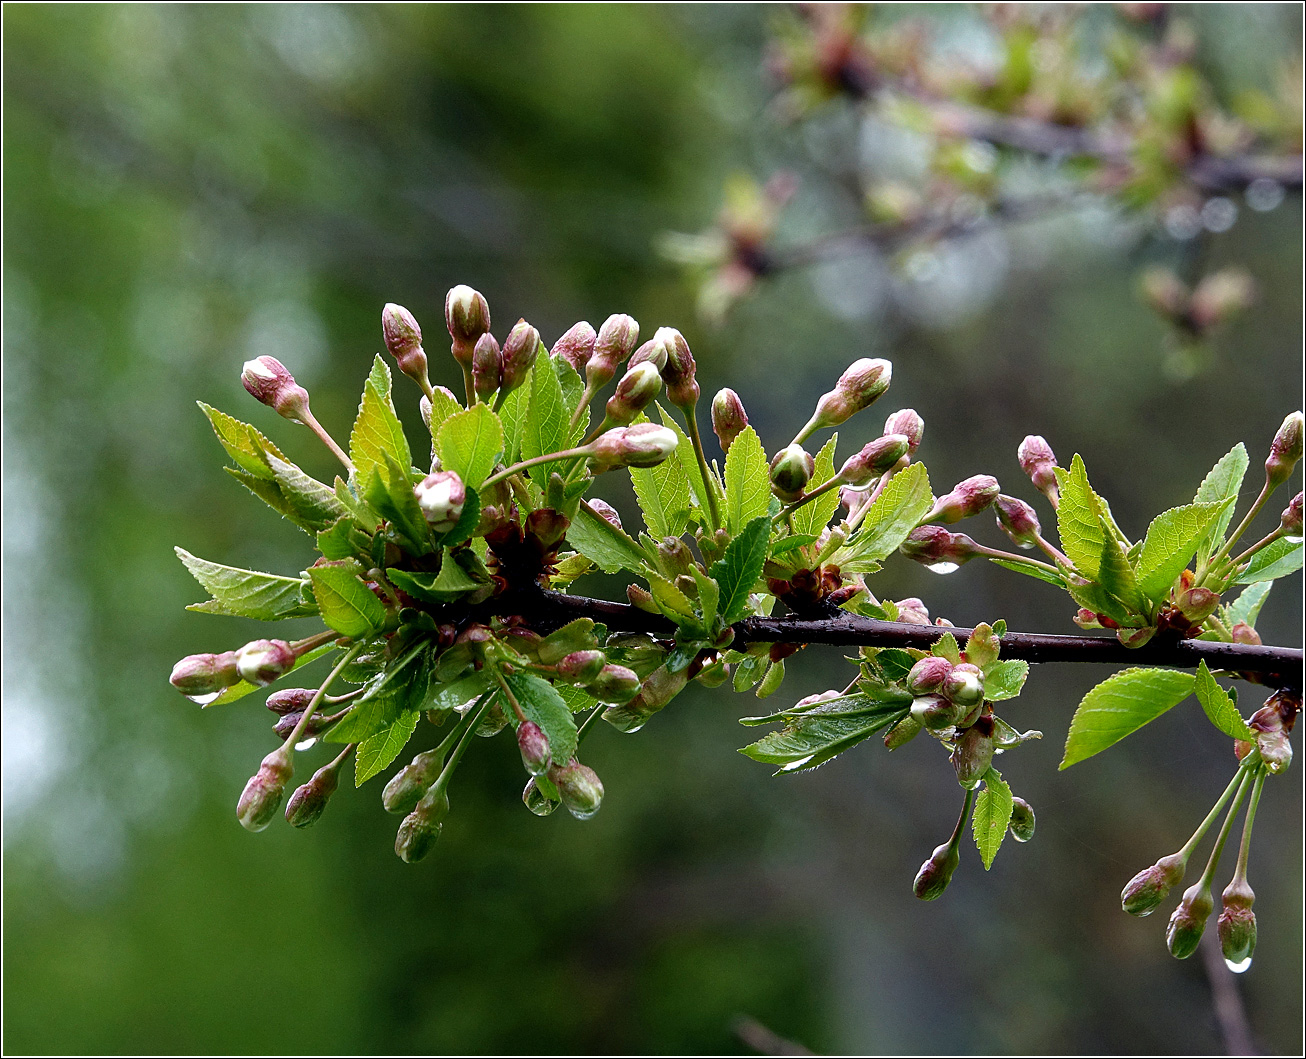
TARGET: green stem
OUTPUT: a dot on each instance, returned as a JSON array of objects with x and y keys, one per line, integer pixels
[
  {"x": 1213, "y": 861},
  {"x": 1252, "y": 512},
  {"x": 824, "y": 487},
  {"x": 709, "y": 479},
  {"x": 1051, "y": 551},
  {"x": 585, "y": 398},
  {"x": 961, "y": 820},
  {"x": 589, "y": 721},
  {"x": 310, "y": 420},
  {"x": 1244, "y": 848},
  {"x": 475, "y": 714},
  {"x": 512, "y": 699},
  {"x": 1269, "y": 538},
  {"x": 316, "y": 700},
  {"x": 535, "y": 461},
  {"x": 1012, "y": 557},
  {"x": 469, "y": 385},
  {"x": 311, "y": 643},
  {"x": 1234, "y": 784}
]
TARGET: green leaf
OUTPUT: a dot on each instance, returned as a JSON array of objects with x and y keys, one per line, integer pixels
[
  {"x": 470, "y": 443},
  {"x": 377, "y": 751},
  {"x": 310, "y": 503},
  {"x": 1116, "y": 576},
  {"x": 242, "y": 688},
  {"x": 1172, "y": 540},
  {"x": 451, "y": 583},
  {"x": 991, "y": 816},
  {"x": 512, "y": 415},
  {"x": 377, "y": 431},
  {"x": 1121, "y": 705},
  {"x": 813, "y": 516},
  {"x": 698, "y": 485},
  {"x": 346, "y": 603},
  {"x": 1003, "y": 680},
  {"x": 663, "y": 494},
  {"x": 946, "y": 647},
  {"x": 1030, "y": 570},
  {"x": 1222, "y": 483},
  {"x": 545, "y": 429},
  {"x": 892, "y": 516},
  {"x": 673, "y": 603},
  {"x": 247, "y": 593},
  {"x": 748, "y": 481},
  {"x": 344, "y": 540},
  {"x": 460, "y": 692},
  {"x": 576, "y": 698},
  {"x": 609, "y": 548},
  {"x": 543, "y": 705},
  {"x": 1094, "y": 597},
  {"x": 245, "y": 445},
  {"x": 1079, "y": 519},
  {"x": 1277, "y": 559},
  {"x": 737, "y": 571},
  {"x": 792, "y": 543},
  {"x": 404, "y": 687},
  {"x": 443, "y": 405},
  {"x": 1247, "y": 606},
  {"x": 390, "y": 493},
  {"x": 709, "y": 596},
  {"x": 812, "y": 738},
  {"x": 366, "y": 518},
  {"x": 1220, "y": 707}
]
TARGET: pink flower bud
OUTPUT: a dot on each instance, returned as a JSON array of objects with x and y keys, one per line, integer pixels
[
  {"x": 605, "y": 511},
  {"x": 580, "y": 788},
  {"x": 863, "y": 382},
  {"x": 615, "y": 684},
  {"x": 441, "y": 496},
  {"x": 421, "y": 828},
  {"x": 1188, "y": 922},
  {"x": 966, "y": 499},
  {"x": 651, "y": 352},
  {"x": 576, "y": 346},
  {"x": 1285, "y": 450},
  {"x": 908, "y": 423},
  {"x": 1017, "y": 520},
  {"x": 1039, "y": 463},
  {"x": 973, "y": 753},
  {"x": 309, "y": 801},
  {"x": 407, "y": 786},
  {"x": 263, "y": 661},
  {"x": 1291, "y": 518},
  {"x": 913, "y": 612},
  {"x": 290, "y": 700},
  {"x": 1149, "y": 887},
  {"x": 936, "y": 873},
  {"x": 964, "y": 685},
  {"x": 791, "y": 470},
  {"x": 1197, "y": 604},
  {"x": 467, "y": 315},
  {"x": 728, "y": 417},
  {"x": 261, "y": 797},
  {"x": 403, "y": 338},
  {"x": 934, "y": 712},
  {"x": 635, "y": 391},
  {"x": 928, "y": 674},
  {"x": 679, "y": 371},
  {"x": 934, "y": 544},
  {"x": 874, "y": 459},
  {"x": 614, "y": 343},
  {"x": 643, "y": 445},
  {"x": 205, "y": 674},
  {"x": 1244, "y": 633},
  {"x": 581, "y": 667},
  {"x": 267, "y": 380},
  {"x": 534, "y": 747},
  {"x": 487, "y": 367},
  {"x": 520, "y": 349},
  {"x": 658, "y": 689}
]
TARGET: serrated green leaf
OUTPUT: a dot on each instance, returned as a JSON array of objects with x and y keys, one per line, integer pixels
[
  {"x": 709, "y": 596},
  {"x": 991, "y": 816},
  {"x": 669, "y": 599},
  {"x": 1222, "y": 483},
  {"x": 346, "y": 603},
  {"x": 377, "y": 751},
  {"x": 1219, "y": 706},
  {"x": 1247, "y": 607},
  {"x": 1094, "y": 597},
  {"x": 377, "y": 432},
  {"x": 609, "y": 548},
  {"x": 366, "y": 518},
  {"x": 1277, "y": 559},
  {"x": 403, "y": 687},
  {"x": 247, "y": 593},
  {"x": 512, "y": 415},
  {"x": 244, "y": 444},
  {"x": 242, "y": 688},
  {"x": 811, "y": 739},
  {"x": 450, "y": 584},
  {"x": 344, "y": 540},
  {"x": 576, "y": 698},
  {"x": 785, "y": 545},
  {"x": 1030, "y": 570},
  {"x": 443, "y": 405},
  {"x": 663, "y": 494},
  {"x": 891, "y": 517},
  {"x": 946, "y": 647},
  {"x": 543, "y": 705},
  {"x": 1121, "y": 705},
  {"x": 1171, "y": 542},
  {"x": 314, "y": 504},
  {"x": 1079, "y": 519},
  {"x": 1003, "y": 680},
  {"x": 470, "y": 443},
  {"x": 1116, "y": 576},
  {"x": 307, "y": 516},
  {"x": 813, "y": 516},
  {"x": 748, "y": 671},
  {"x": 737, "y": 571},
  {"x": 545, "y": 428},
  {"x": 748, "y": 481},
  {"x": 698, "y": 485}
]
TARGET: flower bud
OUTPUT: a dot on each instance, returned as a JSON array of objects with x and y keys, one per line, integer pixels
[
  {"x": 1186, "y": 925},
  {"x": 973, "y": 753},
  {"x": 934, "y": 712},
  {"x": 441, "y": 497},
  {"x": 487, "y": 367},
  {"x": 966, "y": 499},
  {"x": 613, "y": 344},
  {"x": 908, "y": 423},
  {"x": 927, "y": 675},
  {"x": 1022, "y": 820},
  {"x": 674, "y": 557},
  {"x": 1197, "y": 604},
  {"x": 728, "y": 417},
  {"x": 534, "y": 747},
  {"x": 679, "y": 371},
  {"x": 913, "y": 612},
  {"x": 290, "y": 700},
  {"x": 932, "y": 545},
  {"x": 1039, "y": 463},
  {"x": 605, "y": 511},
  {"x": 1291, "y": 518},
  {"x": 403, "y": 338},
  {"x": 1017, "y": 520},
  {"x": 1237, "y": 923},
  {"x": 261, "y": 797},
  {"x": 263, "y": 661},
  {"x": 658, "y": 689},
  {"x": 874, "y": 459},
  {"x": 651, "y": 352},
  {"x": 309, "y": 801},
  {"x": 964, "y": 685},
  {"x": 936, "y": 873},
  {"x": 614, "y": 684},
  {"x": 407, "y": 786},
  {"x": 1149, "y": 887},
  {"x": 421, "y": 828},
  {"x": 467, "y": 315},
  {"x": 1244, "y": 633},
  {"x": 791, "y": 470},
  {"x": 581, "y": 667},
  {"x": 520, "y": 349},
  {"x": 862, "y": 383},
  {"x": 643, "y": 445},
  {"x": 267, "y": 380},
  {"x": 1285, "y": 450},
  {"x": 576, "y": 346},
  {"x": 1221, "y": 295},
  {"x": 205, "y": 674},
  {"x": 286, "y": 725},
  {"x": 635, "y": 391},
  {"x": 547, "y": 527},
  {"x": 902, "y": 733},
  {"x": 580, "y": 788}
]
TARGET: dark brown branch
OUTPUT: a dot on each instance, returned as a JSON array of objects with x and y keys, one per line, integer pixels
[{"x": 1279, "y": 667}]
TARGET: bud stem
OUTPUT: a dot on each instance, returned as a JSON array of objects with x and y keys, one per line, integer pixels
[
  {"x": 1234, "y": 784},
  {"x": 589, "y": 722},
  {"x": 316, "y": 700},
  {"x": 585, "y": 398},
  {"x": 311, "y": 643},
  {"x": 1252, "y": 512},
  {"x": 535, "y": 461},
  {"x": 811, "y": 494},
  {"x": 317, "y": 428},
  {"x": 1244, "y": 848},
  {"x": 1213, "y": 861},
  {"x": 512, "y": 699},
  {"x": 1269, "y": 538},
  {"x": 967, "y": 803},
  {"x": 709, "y": 479},
  {"x": 465, "y": 737}
]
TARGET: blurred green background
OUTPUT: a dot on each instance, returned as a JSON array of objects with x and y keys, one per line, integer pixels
[{"x": 186, "y": 187}]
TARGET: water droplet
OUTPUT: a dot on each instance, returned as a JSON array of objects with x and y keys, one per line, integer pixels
[
  {"x": 582, "y": 814},
  {"x": 537, "y": 801},
  {"x": 942, "y": 568},
  {"x": 1025, "y": 545},
  {"x": 204, "y": 700},
  {"x": 1239, "y": 966},
  {"x": 1144, "y": 914},
  {"x": 306, "y": 744},
  {"x": 794, "y": 766}
]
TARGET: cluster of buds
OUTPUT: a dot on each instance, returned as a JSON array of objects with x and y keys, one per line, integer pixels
[{"x": 947, "y": 696}]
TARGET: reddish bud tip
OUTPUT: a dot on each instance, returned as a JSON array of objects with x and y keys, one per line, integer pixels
[
  {"x": 261, "y": 797},
  {"x": 1017, "y": 520},
  {"x": 908, "y": 423},
  {"x": 576, "y": 346},
  {"x": 1187, "y": 924},
  {"x": 263, "y": 661},
  {"x": 403, "y": 338},
  {"x": 878, "y": 456},
  {"x": 605, "y": 511},
  {"x": 643, "y": 445},
  {"x": 635, "y": 392},
  {"x": 1285, "y": 450},
  {"x": 934, "y": 544},
  {"x": 441, "y": 497},
  {"x": 580, "y": 788},
  {"x": 467, "y": 316},
  {"x": 487, "y": 367},
  {"x": 728, "y": 417},
  {"x": 1039, "y": 462},
  {"x": 1149, "y": 887},
  {"x": 534, "y": 747},
  {"x": 966, "y": 499},
  {"x": 1291, "y": 519},
  {"x": 268, "y": 381},
  {"x": 520, "y": 349},
  {"x": 205, "y": 674},
  {"x": 936, "y": 873},
  {"x": 679, "y": 372}
]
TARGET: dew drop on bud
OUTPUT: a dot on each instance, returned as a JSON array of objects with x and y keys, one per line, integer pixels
[
  {"x": 942, "y": 568},
  {"x": 1239, "y": 966},
  {"x": 306, "y": 744}
]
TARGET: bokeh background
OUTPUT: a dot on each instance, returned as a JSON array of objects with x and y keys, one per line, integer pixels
[{"x": 186, "y": 187}]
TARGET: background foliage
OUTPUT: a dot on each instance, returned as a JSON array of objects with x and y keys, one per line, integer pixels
[{"x": 186, "y": 188}]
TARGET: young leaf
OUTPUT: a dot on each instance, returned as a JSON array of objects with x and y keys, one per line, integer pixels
[
  {"x": 377, "y": 431},
  {"x": 737, "y": 571},
  {"x": 709, "y": 596},
  {"x": 244, "y": 444},
  {"x": 1172, "y": 540},
  {"x": 892, "y": 516},
  {"x": 543, "y": 705},
  {"x": 512, "y": 417},
  {"x": 991, "y": 816},
  {"x": 246, "y": 593},
  {"x": 1277, "y": 559},
  {"x": 470, "y": 443},
  {"x": 379, "y": 749},
  {"x": 946, "y": 647},
  {"x": 451, "y": 583},
  {"x": 390, "y": 493},
  {"x": 1121, "y": 705},
  {"x": 545, "y": 428},
  {"x": 669, "y": 599},
  {"x": 361, "y": 513},
  {"x": 663, "y": 494},
  {"x": 609, "y": 548},
  {"x": 346, "y": 603},
  {"x": 1030, "y": 570},
  {"x": 1247, "y": 606},
  {"x": 404, "y": 687},
  {"x": 811, "y": 739},
  {"x": 1003, "y": 680},
  {"x": 1116, "y": 576},
  {"x": 813, "y": 516},
  {"x": 1079, "y": 519},
  {"x": 309, "y": 502},
  {"x": 443, "y": 405},
  {"x": 748, "y": 483},
  {"x": 344, "y": 540},
  {"x": 1222, "y": 483},
  {"x": 1220, "y": 707}
]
